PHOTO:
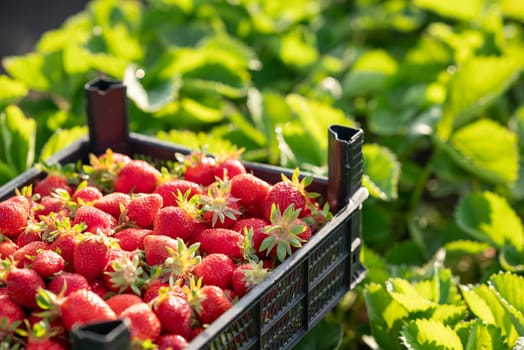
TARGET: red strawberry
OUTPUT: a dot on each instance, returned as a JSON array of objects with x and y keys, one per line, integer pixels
[
  {"x": 155, "y": 248},
  {"x": 215, "y": 269},
  {"x": 14, "y": 213},
  {"x": 99, "y": 287},
  {"x": 102, "y": 169},
  {"x": 251, "y": 192},
  {"x": 112, "y": 203},
  {"x": 137, "y": 176},
  {"x": 142, "y": 209},
  {"x": 95, "y": 219},
  {"x": 222, "y": 240},
  {"x": 50, "y": 204},
  {"x": 123, "y": 273},
  {"x": 172, "y": 189},
  {"x": 23, "y": 255},
  {"x": 229, "y": 165},
  {"x": 174, "y": 313},
  {"x": 7, "y": 247},
  {"x": 120, "y": 302},
  {"x": 44, "y": 335},
  {"x": 199, "y": 168},
  {"x": 208, "y": 302},
  {"x": 27, "y": 237},
  {"x": 248, "y": 275},
  {"x": 50, "y": 184},
  {"x": 48, "y": 263},
  {"x": 91, "y": 255},
  {"x": 65, "y": 244},
  {"x": 171, "y": 342},
  {"x": 177, "y": 222},
  {"x": 22, "y": 286},
  {"x": 86, "y": 194},
  {"x": 131, "y": 238},
  {"x": 44, "y": 344},
  {"x": 256, "y": 225},
  {"x": 83, "y": 307},
  {"x": 287, "y": 192},
  {"x": 144, "y": 324},
  {"x": 66, "y": 283},
  {"x": 151, "y": 291},
  {"x": 10, "y": 311}
]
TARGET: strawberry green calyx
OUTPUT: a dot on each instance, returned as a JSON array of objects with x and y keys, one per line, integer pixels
[
  {"x": 219, "y": 204},
  {"x": 283, "y": 232},
  {"x": 181, "y": 261},
  {"x": 193, "y": 294},
  {"x": 126, "y": 273},
  {"x": 49, "y": 303},
  {"x": 247, "y": 245}
]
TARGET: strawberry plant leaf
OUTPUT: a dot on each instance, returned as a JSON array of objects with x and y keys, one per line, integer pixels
[
  {"x": 477, "y": 304},
  {"x": 376, "y": 265},
  {"x": 60, "y": 139},
  {"x": 509, "y": 289},
  {"x": 404, "y": 293},
  {"x": 488, "y": 217},
  {"x": 487, "y": 150},
  {"x": 324, "y": 336},
  {"x": 429, "y": 334},
  {"x": 369, "y": 73},
  {"x": 11, "y": 91},
  {"x": 17, "y": 145},
  {"x": 465, "y": 10},
  {"x": 469, "y": 93},
  {"x": 513, "y": 9},
  {"x": 381, "y": 171},
  {"x": 485, "y": 336}
]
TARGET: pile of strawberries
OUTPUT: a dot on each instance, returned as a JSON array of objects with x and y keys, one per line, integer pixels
[{"x": 170, "y": 249}]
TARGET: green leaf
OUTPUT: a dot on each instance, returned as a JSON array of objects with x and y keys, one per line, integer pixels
[
  {"x": 465, "y": 247},
  {"x": 194, "y": 140},
  {"x": 487, "y": 150},
  {"x": 450, "y": 314},
  {"x": 466, "y": 10},
  {"x": 406, "y": 295},
  {"x": 428, "y": 335},
  {"x": 61, "y": 139},
  {"x": 477, "y": 304},
  {"x": 469, "y": 92},
  {"x": 488, "y": 217},
  {"x": 324, "y": 336},
  {"x": 11, "y": 91},
  {"x": 486, "y": 337},
  {"x": 513, "y": 9},
  {"x": 18, "y": 133},
  {"x": 376, "y": 265},
  {"x": 154, "y": 98},
  {"x": 509, "y": 290},
  {"x": 369, "y": 73},
  {"x": 29, "y": 69},
  {"x": 381, "y": 171},
  {"x": 296, "y": 51}
]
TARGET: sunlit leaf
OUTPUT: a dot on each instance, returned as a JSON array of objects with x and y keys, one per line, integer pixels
[
  {"x": 381, "y": 171},
  {"x": 61, "y": 139},
  {"x": 509, "y": 290},
  {"x": 423, "y": 334},
  {"x": 485, "y": 336},
  {"x": 513, "y": 9},
  {"x": 463, "y": 10},
  {"x": 488, "y": 217},
  {"x": 17, "y": 145},
  {"x": 487, "y": 150},
  {"x": 11, "y": 91}
]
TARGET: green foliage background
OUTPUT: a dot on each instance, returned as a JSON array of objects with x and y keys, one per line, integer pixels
[{"x": 436, "y": 86}]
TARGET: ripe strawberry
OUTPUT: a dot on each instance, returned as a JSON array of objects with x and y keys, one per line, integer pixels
[
  {"x": 155, "y": 248},
  {"x": 23, "y": 255},
  {"x": 208, "y": 302},
  {"x": 7, "y": 247},
  {"x": 10, "y": 311},
  {"x": 102, "y": 169},
  {"x": 144, "y": 324},
  {"x": 171, "y": 189},
  {"x": 47, "y": 263},
  {"x": 137, "y": 176},
  {"x": 99, "y": 287},
  {"x": 83, "y": 307},
  {"x": 173, "y": 312},
  {"x": 28, "y": 236},
  {"x": 287, "y": 192},
  {"x": 171, "y": 342},
  {"x": 50, "y": 204},
  {"x": 91, "y": 255},
  {"x": 120, "y": 302},
  {"x": 22, "y": 285},
  {"x": 65, "y": 244},
  {"x": 222, "y": 240},
  {"x": 95, "y": 219},
  {"x": 229, "y": 164},
  {"x": 86, "y": 194},
  {"x": 123, "y": 273},
  {"x": 66, "y": 283},
  {"x": 248, "y": 275},
  {"x": 113, "y": 203},
  {"x": 130, "y": 239},
  {"x": 285, "y": 233},
  {"x": 44, "y": 335},
  {"x": 43, "y": 344},
  {"x": 177, "y": 222},
  {"x": 251, "y": 192},
  {"x": 215, "y": 269},
  {"x": 14, "y": 213},
  {"x": 219, "y": 208},
  {"x": 152, "y": 288},
  {"x": 199, "y": 168},
  {"x": 142, "y": 210},
  {"x": 50, "y": 184}
]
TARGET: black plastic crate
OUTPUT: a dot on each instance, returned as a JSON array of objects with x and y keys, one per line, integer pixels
[{"x": 277, "y": 313}]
